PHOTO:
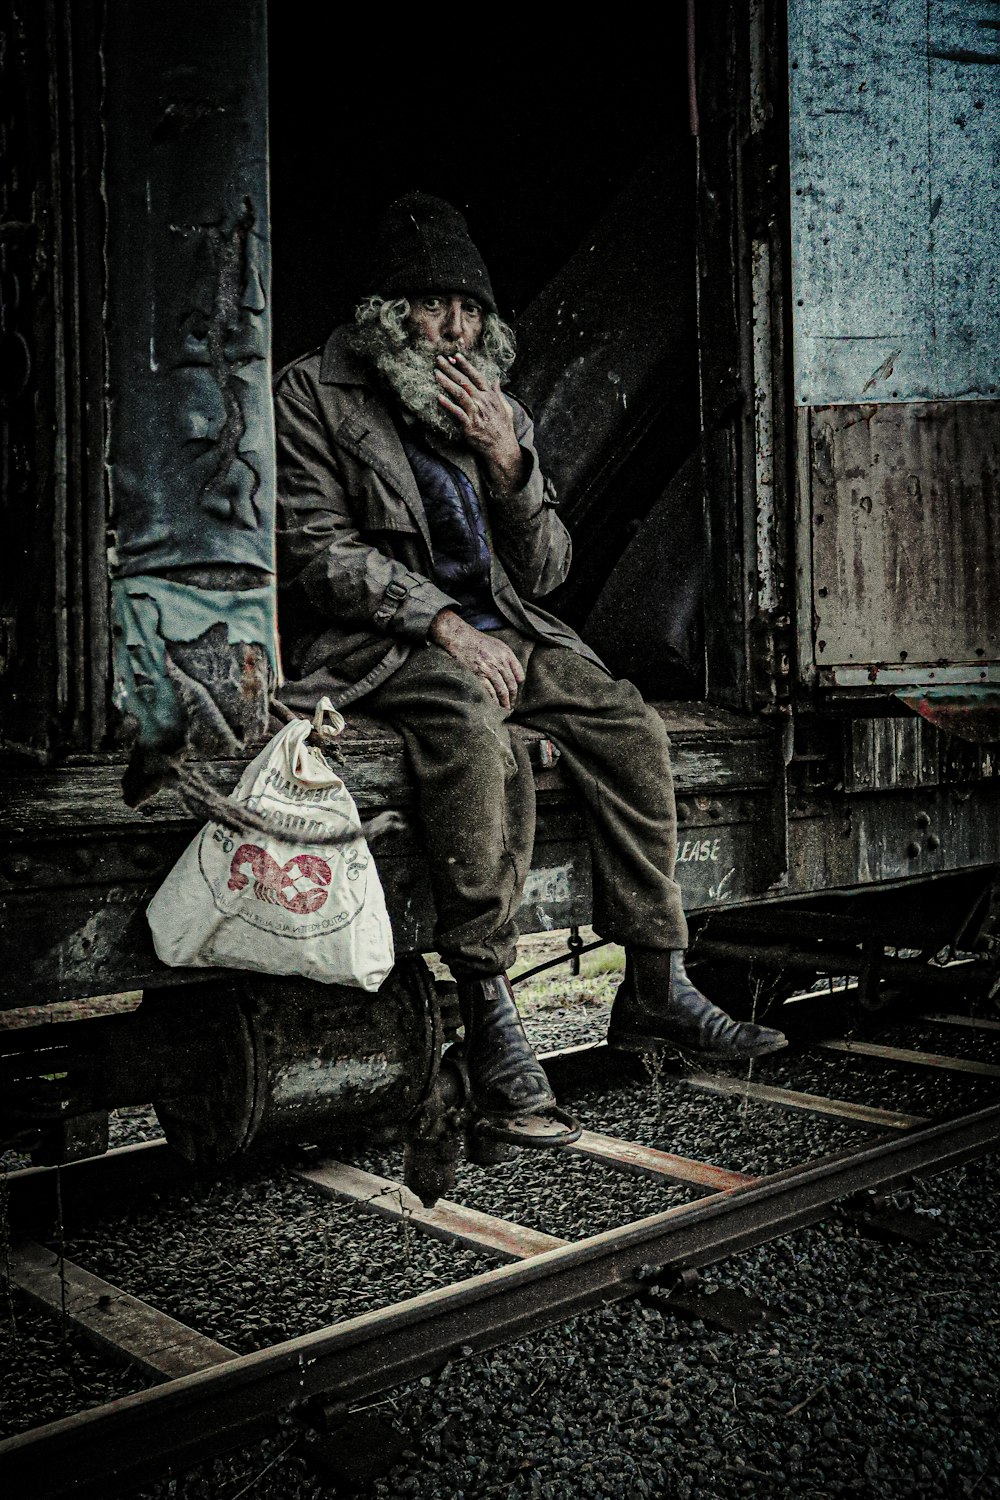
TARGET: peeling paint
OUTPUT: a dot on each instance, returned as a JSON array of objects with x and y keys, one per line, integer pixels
[
  {"x": 767, "y": 560},
  {"x": 148, "y": 614},
  {"x": 883, "y": 372},
  {"x": 221, "y": 339}
]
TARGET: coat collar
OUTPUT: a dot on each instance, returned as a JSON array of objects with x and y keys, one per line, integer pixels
[{"x": 340, "y": 365}]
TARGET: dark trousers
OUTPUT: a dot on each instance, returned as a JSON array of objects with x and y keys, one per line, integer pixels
[{"x": 476, "y": 796}]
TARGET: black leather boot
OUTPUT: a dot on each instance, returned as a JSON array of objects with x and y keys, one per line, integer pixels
[
  {"x": 657, "y": 1005},
  {"x": 509, "y": 1086},
  {"x": 506, "y": 1077}
]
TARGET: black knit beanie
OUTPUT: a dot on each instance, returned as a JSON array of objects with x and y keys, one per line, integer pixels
[{"x": 424, "y": 245}]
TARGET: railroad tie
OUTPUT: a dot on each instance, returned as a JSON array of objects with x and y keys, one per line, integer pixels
[
  {"x": 122, "y": 1325},
  {"x": 445, "y": 1221},
  {"x": 907, "y": 1057},
  {"x": 648, "y": 1162},
  {"x": 867, "y": 1116}
]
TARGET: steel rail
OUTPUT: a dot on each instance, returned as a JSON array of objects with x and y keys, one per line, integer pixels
[
  {"x": 87, "y": 1187},
  {"x": 172, "y": 1426}
]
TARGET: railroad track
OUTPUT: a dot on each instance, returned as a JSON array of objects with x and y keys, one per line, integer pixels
[{"x": 209, "y": 1398}]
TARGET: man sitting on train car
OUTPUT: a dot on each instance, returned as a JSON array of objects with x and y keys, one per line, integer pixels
[{"x": 416, "y": 532}]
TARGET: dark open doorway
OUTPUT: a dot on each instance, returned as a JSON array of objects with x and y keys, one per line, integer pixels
[{"x": 573, "y": 162}]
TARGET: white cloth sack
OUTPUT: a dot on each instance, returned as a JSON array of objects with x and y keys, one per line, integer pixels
[{"x": 281, "y": 906}]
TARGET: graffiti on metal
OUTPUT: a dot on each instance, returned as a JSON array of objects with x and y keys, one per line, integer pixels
[{"x": 191, "y": 444}]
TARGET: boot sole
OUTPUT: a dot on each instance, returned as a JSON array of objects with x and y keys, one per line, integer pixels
[
  {"x": 652, "y": 1043},
  {"x": 534, "y": 1130}
]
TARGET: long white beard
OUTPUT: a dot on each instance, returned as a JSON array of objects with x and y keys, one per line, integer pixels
[{"x": 409, "y": 372}]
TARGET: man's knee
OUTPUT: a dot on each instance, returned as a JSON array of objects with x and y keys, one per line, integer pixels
[
  {"x": 456, "y": 719},
  {"x": 430, "y": 681},
  {"x": 638, "y": 732},
  {"x": 633, "y": 715}
]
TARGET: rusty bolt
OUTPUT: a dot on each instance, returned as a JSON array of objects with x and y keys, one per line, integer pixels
[
  {"x": 933, "y": 842},
  {"x": 923, "y": 820},
  {"x": 683, "y": 812},
  {"x": 913, "y": 850}
]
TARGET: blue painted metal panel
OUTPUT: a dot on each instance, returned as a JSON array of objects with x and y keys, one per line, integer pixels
[
  {"x": 190, "y": 423},
  {"x": 191, "y": 441},
  {"x": 895, "y": 174}
]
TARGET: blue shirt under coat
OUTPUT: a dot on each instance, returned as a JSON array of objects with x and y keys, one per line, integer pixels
[{"x": 459, "y": 538}]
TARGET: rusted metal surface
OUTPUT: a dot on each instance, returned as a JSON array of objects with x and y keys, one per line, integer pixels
[
  {"x": 893, "y": 141},
  {"x": 972, "y": 713},
  {"x": 132, "y": 1439},
  {"x": 871, "y": 839},
  {"x": 292, "y": 1058},
  {"x": 906, "y": 536},
  {"x": 723, "y": 323},
  {"x": 231, "y": 1064},
  {"x": 764, "y": 435}
]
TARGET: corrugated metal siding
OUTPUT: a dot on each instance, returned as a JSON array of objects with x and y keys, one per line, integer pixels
[
  {"x": 895, "y": 168},
  {"x": 888, "y": 753}
]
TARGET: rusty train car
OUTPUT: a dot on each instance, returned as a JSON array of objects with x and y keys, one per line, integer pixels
[{"x": 753, "y": 277}]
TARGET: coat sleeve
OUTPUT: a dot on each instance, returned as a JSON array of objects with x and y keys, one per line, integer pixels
[
  {"x": 321, "y": 552},
  {"x": 530, "y": 540}
]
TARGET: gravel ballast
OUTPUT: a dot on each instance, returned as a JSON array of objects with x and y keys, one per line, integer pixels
[{"x": 877, "y": 1373}]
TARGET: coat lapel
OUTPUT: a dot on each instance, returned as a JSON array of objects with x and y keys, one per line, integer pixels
[{"x": 368, "y": 431}]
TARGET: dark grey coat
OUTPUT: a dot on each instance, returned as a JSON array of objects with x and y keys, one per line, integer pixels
[{"x": 354, "y": 550}]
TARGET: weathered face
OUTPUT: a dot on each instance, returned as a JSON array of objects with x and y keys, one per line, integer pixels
[{"x": 451, "y": 319}]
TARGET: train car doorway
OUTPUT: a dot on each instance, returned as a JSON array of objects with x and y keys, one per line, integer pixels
[{"x": 576, "y": 169}]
